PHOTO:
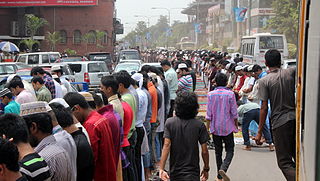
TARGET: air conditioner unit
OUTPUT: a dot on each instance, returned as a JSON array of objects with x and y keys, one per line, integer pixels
[
  {"x": 27, "y": 31},
  {"x": 14, "y": 28}
]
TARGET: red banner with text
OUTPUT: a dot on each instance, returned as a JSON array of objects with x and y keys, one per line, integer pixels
[{"x": 24, "y": 3}]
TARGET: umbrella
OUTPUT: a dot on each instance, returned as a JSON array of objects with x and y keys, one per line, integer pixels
[{"x": 8, "y": 47}]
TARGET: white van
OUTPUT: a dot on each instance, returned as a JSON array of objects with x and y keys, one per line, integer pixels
[
  {"x": 38, "y": 58},
  {"x": 253, "y": 48}
]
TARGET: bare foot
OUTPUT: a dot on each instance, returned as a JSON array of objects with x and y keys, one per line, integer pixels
[
  {"x": 224, "y": 175},
  {"x": 247, "y": 148}
]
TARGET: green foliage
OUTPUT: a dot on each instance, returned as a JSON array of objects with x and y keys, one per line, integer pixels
[
  {"x": 53, "y": 39},
  {"x": 286, "y": 20},
  {"x": 100, "y": 35},
  {"x": 292, "y": 48},
  {"x": 34, "y": 23},
  {"x": 29, "y": 43},
  {"x": 70, "y": 52}
]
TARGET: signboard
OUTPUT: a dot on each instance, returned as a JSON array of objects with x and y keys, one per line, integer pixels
[
  {"x": 262, "y": 12},
  {"x": 24, "y": 3}
]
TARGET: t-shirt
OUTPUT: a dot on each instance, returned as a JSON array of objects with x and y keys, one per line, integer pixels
[
  {"x": 279, "y": 87},
  {"x": 25, "y": 97},
  {"x": 85, "y": 163},
  {"x": 34, "y": 168},
  {"x": 12, "y": 107},
  {"x": 185, "y": 136},
  {"x": 185, "y": 83},
  {"x": 129, "y": 98}
]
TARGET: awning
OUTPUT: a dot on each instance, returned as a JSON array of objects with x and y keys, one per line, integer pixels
[{"x": 6, "y": 37}]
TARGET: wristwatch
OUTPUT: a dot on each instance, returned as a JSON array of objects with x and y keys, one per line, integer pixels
[{"x": 206, "y": 169}]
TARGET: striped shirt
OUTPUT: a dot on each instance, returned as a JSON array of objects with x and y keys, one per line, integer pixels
[
  {"x": 34, "y": 168},
  {"x": 56, "y": 157},
  {"x": 48, "y": 82},
  {"x": 185, "y": 83},
  {"x": 222, "y": 111}
]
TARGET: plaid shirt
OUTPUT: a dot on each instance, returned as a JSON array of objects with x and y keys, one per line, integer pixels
[{"x": 50, "y": 85}]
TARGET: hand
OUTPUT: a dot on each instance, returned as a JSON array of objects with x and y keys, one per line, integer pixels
[
  {"x": 163, "y": 175},
  {"x": 258, "y": 139},
  {"x": 204, "y": 176}
]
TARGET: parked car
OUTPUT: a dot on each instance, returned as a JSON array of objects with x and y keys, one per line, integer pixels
[
  {"x": 38, "y": 58},
  {"x": 131, "y": 68},
  {"x": 129, "y": 54},
  {"x": 90, "y": 72},
  {"x": 102, "y": 56},
  {"x": 8, "y": 68},
  {"x": 72, "y": 59},
  {"x": 131, "y": 61},
  {"x": 155, "y": 64}
]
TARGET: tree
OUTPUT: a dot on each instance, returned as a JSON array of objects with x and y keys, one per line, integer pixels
[
  {"x": 53, "y": 39},
  {"x": 100, "y": 36},
  {"x": 34, "y": 23},
  {"x": 286, "y": 20},
  {"x": 87, "y": 37}
]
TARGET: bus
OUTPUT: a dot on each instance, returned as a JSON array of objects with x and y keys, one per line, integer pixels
[{"x": 253, "y": 48}]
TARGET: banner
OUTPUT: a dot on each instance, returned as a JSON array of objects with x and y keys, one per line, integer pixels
[
  {"x": 25, "y": 3},
  {"x": 197, "y": 28},
  {"x": 240, "y": 14},
  {"x": 168, "y": 32}
]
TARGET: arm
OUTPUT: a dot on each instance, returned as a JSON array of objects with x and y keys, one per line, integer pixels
[
  {"x": 263, "y": 116},
  {"x": 205, "y": 158},
  {"x": 165, "y": 152}
]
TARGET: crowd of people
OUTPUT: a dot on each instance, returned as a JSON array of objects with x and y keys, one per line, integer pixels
[{"x": 127, "y": 129}]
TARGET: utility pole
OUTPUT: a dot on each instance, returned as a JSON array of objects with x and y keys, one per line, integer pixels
[{"x": 249, "y": 16}]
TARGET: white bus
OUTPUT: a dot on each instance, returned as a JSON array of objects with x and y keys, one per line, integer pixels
[{"x": 253, "y": 48}]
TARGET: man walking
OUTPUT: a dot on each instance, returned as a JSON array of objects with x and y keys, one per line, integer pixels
[
  {"x": 182, "y": 134},
  {"x": 279, "y": 87},
  {"x": 223, "y": 117}
]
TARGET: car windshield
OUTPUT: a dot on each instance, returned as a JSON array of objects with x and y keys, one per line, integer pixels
[
  {"x": 71, "y": 59},
  {"x": 97, "y": 67},
  {"x": 270, "y": 42},
  {"x": 130, "y": 55},
  {"x": 128, "y": 67}
]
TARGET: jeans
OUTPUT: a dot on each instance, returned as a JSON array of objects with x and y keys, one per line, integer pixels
[
  {"x": 133, "y": 142},
  {"x": 229, "y": 147},
  {"x": 147, "y": 157},
  {"x": 171, "y": 109},
  {"x": 159, "y": 145},
  {"x": 285, "y": 142},
  {"x": 128, "y": 173},
  {"x": 253, "y": 115},
  {"x": 140, "y": 135}
]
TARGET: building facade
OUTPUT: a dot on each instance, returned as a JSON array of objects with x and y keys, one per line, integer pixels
[{"x": 72, "y": 23}]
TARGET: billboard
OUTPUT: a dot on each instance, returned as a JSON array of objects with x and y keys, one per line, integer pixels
[{"x": 26, "y": 3}]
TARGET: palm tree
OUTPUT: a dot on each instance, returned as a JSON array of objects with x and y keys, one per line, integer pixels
[
  {"x": 53, "y": 39},
  {"x": 34, "y": 23}
]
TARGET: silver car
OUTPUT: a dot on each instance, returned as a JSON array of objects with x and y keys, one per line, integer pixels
[{"x": 90, "y": 72}]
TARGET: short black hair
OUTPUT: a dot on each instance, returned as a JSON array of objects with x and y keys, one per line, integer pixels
[
  {"x": 273, "y": 58},
  {"x": 36, "y": 70},
  {"x": 13, "y": 126},
  {"x": 221, "y": 79},
  {"x": 97, "y": 99},
  {"x": 256, "y": 68},
  {"x": 9, "y": 155},
  {"x": 145, "y": 80},
  {"x": 123, "y": 78},
  {"x": 8, "y": 95},
  {"x": 63, "y": 115},
  {"x": 16, "y": 83},
  {"x": 186, "y": 105},
  {"x": 155, "y": 70},
  {"x": 37, "y": 79},
  {"x": 110, "y": 81},
  {"x": 145, "y": 68},
  {"x": 74, "y": 98},
  {"x": 188, "y": 63},
  {"x": 165, "y": 62},
  {"x": 43, "y": 121}
]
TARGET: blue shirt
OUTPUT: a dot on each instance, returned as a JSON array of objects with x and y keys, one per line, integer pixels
[
  {"x": 12, "y": 107},
  {"x": 263, "y": 74},
  {"x": 172, "y": 80}
]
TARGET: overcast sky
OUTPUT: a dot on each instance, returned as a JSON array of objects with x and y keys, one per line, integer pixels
[{"x": 127, "y": 9}]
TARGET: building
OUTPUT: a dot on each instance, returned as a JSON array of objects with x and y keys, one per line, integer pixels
[{"x": 72, "y": 20}]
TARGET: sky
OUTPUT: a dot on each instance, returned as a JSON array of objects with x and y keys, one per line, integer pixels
[{"x": 127, "y": 9}]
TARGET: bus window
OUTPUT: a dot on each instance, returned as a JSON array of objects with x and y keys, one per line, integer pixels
[{"x": 270, "y": 42}]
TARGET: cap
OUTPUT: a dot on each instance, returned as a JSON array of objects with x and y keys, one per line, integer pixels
[
  {"x": 56, "y": 68},
  {"x": 228, "y": 66},
  {"x": 152, "y": 75},
  {"x": 34, "y": 108},
  {"x": 87, "y": 96},
  {"x": 60, "y": 101},
  {"x": 4, "y": 92},
  {"x": 55, "y": 77},
  {"x": 238, "y": 68},
  {"x": 250, "y": 68},
  {"x": 182, "y": 65},
  {"x": 138, "y": 77}
]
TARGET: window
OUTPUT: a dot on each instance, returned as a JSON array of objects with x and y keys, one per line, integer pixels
[
  {"x": 63, "y": 36},
  {"x": 97, "y": 67},
  {"x": 77, "y": 37},
  {"x": 45, "y": 59},
  {"x": 22, "y": 58},
  {"x": 10, "y": 69},
  {"x": 92, "y": 37},
  {"x": 33, "y": 59},
  {"x": 105, "y": 37}
]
